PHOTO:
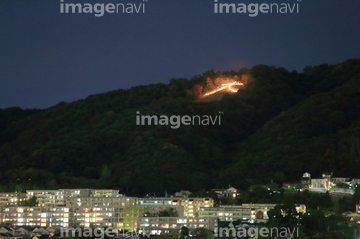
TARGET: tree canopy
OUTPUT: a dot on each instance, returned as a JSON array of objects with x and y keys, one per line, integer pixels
[{"x": 279, "y": 125}]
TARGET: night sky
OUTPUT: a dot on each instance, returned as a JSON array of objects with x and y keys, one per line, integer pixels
[{"x": 47, "y": 57}]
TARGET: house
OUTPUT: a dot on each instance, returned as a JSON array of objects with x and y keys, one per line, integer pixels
[
  {"x": 182, "y": 193},
  {"x": 38, "y": 236},
  {"x": 306, "y": 179},
  {"x": 6, "y": 236},
  {"x": 24, "y": 231},
  {"x": 322, "y": 184},
  {"x": 230, "y": 193},
  {"x": 341, "y": 180},
  {"x": 354, "y": 182},
  {"x": 357, "y": 208},
  {"x": 353, "y": 217},
  {"x": 5, "y": 230},
  {"x": 40, "y": 231},
  {"x": 328, "y": 183}
]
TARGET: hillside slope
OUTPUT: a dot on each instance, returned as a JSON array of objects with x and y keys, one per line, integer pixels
[{"x": 278, "y": 126}]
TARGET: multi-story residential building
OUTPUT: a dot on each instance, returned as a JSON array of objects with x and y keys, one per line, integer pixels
[
  {"x": 11, "y": 199},
  {"x": 191, "y": 205},
  {"x": 115, "y": 216},
  {"x": 107, "y": 208},
  {"x": 132, "y": 213},
  {"x": 130, "y": 216},
  {"x": 105, "y": 216},
  {"x": 97, "y": 201},
  {"x": 106, "y": 193},
  {"x": 171, "y": 226},
  {"x": 259, "y": 210},
  {"x": 60, "y": 197},
  {"x": 62, "y": 216},
  {"x": 46, "y": 198},
  {"x": 226, "y": 213},
  {"x": 155, "y": 201},
  {"x": 34, "y": 216},
  {"x": 256, "y": 212},
  {"x": 70, "y": 207}
]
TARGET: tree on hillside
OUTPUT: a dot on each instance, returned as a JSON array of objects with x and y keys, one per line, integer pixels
[
  {"x": 284, "y": 215},
  {"x": 31, "y": 202},
  {"x": 168, "y": 212},
  {"x": 105, "y": 176},
  {"x": 184, "y": 232},
  {"x": 205, "y": 233}
]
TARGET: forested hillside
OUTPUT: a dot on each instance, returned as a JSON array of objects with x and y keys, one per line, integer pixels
[{"x": 277, "y": 126}]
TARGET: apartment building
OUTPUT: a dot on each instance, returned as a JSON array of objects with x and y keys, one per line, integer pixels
[
  {"x": 171, "y": 226},
  {"x": 62, "y": 216},
  {"x": 98, "y": 201},
  {"x": 34, "y": 216},
  {"x": 108, "y": 208},
  {"x": 191, "y": 205},
  {"x": 48, "y": 198},
  {"x": 106, "y": 193},
  {"x": 226, "y": 213},
  {"x": 11, "y": 199},
  {"x": 60, "y": 197},
  {"x": 132, "y": 213},
  {"x": 259, "y": 212},
  {"x": 116, "y": 216},
  {"x": 254, "y": 212},
  {"x": 97, "y": 217},
  {"x": 70, "y": 208}
]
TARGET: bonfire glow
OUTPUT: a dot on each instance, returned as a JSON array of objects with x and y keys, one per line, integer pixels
[{"x": 223, "y": 87}]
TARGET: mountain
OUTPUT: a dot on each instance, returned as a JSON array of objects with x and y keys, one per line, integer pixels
[{"x": 277, "y": 126}]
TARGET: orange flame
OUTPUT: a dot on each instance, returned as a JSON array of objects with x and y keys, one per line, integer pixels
[{"x": 223, "y": 87}]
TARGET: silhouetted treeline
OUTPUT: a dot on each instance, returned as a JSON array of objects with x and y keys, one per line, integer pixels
[{"x": 279, "y": 125}]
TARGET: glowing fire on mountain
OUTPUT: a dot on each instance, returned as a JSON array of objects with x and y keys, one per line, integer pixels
[{"x": 223, "y": 87}]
